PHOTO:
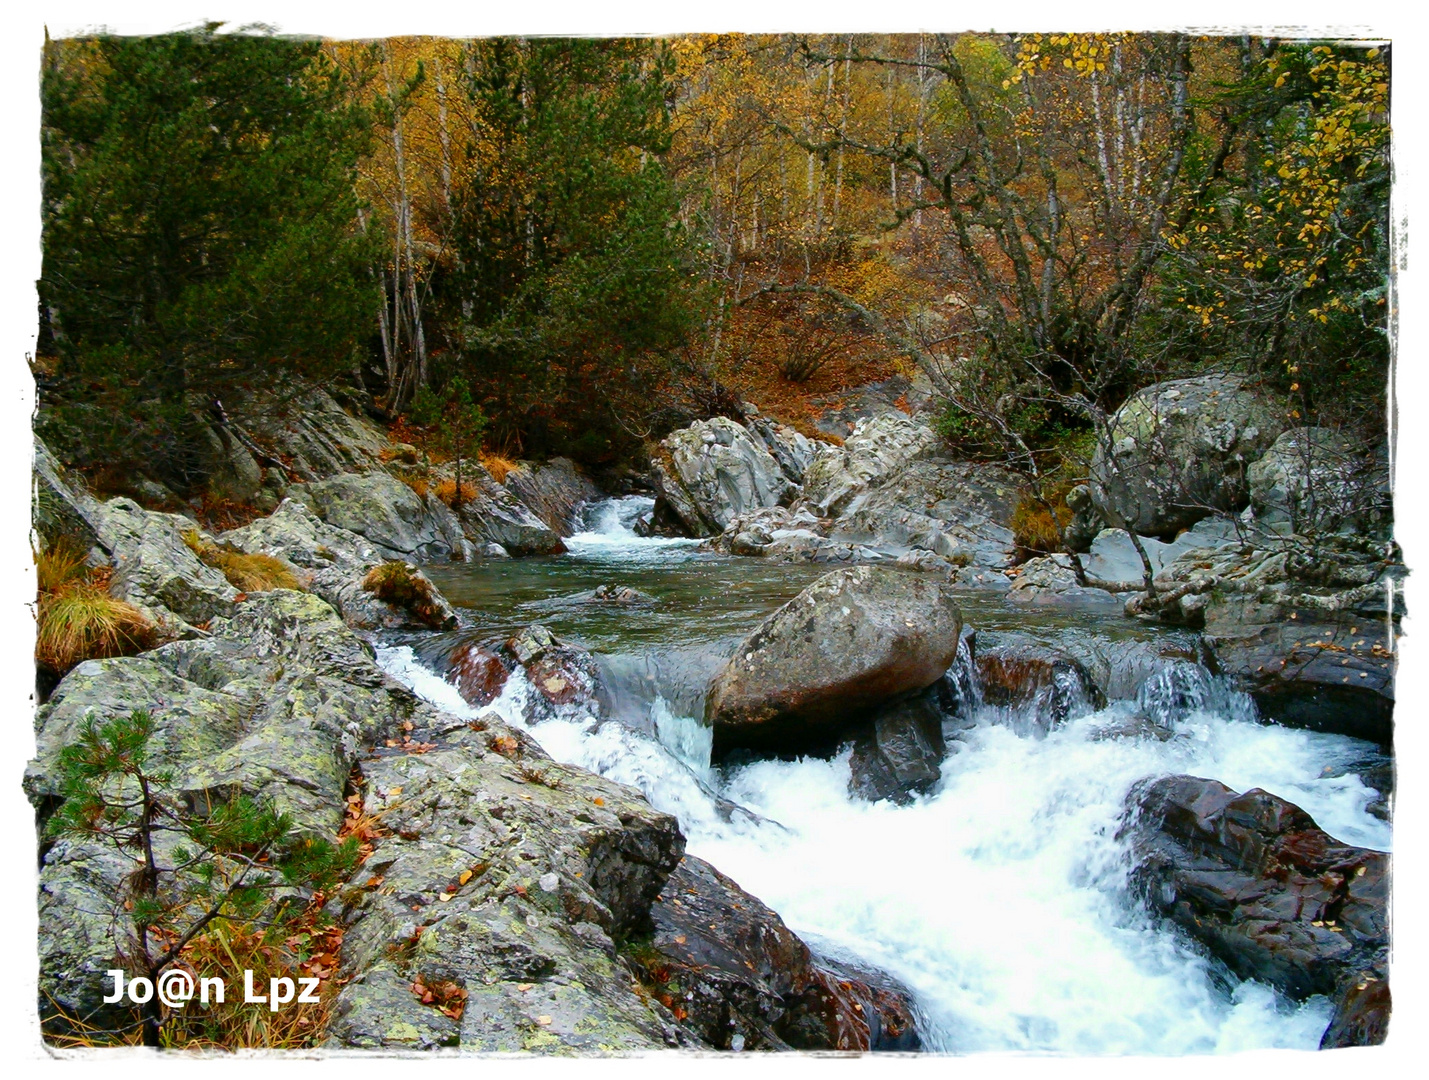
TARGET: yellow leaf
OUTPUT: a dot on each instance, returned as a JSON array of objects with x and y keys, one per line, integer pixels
[{"x": 465, "y": 877}]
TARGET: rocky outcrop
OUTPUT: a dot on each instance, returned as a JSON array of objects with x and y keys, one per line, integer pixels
[
  {"x": 554, "y": 491},
  {"x": 1318, "y": 480},
  {"x": 513, "y": 878},
  {"x": 1253, "y": 879},
  {"x": 492, "y": 515},
  {"x": 1299, "y": 627},
  {"x": 738, "y": 979},
  {"x": 877, "y": 448},
  {"x": 794, "y": 452},
  {"x": 1180, "y": 450},
  {"x": 334, "y": 564},
  {"x": 304, "y": 426},
  {"x": 852, "y": 641},
  {"x": 61, "y": 505},
  {"x": 715, "y": 470},
  {"x": 399, "y": 523},
  {"x": 901, "y": 755}
]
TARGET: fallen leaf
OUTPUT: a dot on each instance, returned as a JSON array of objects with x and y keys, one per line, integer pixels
[
  {"x": 543, "y": 1020},
  {"x": 465, "y": 877}
]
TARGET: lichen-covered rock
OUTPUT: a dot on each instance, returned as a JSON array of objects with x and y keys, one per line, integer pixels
[
  {"x": 305, "y": 426},
  {"x": 554, "y": 491},
  {"x": 1180, "y": 451},
  {"x": 154, "y": 569},
  {"x": 878, "y": 447},
  {"x": 1252, "y": 878},
  {"x": 277, "y": 704},
  {"x": 513, "y": 877},
  {"x": 715, "y": 470},
  {"x": 492, "y": 515},
  {"x": 852, "y": 641},
  {"x": 1319, "y": 480},
  {"x": 333, "y": 563},
  {"x": 397, "y": 521},
  {"x": 62, "y": 507}
]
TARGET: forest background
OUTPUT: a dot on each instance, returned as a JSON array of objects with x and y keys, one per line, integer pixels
[{"x": 574, "y": 246}]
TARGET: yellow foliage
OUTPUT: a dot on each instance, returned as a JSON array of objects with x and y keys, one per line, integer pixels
[
  {"x": 247, "y": 573},
  {"x": 496, "y": 465}
]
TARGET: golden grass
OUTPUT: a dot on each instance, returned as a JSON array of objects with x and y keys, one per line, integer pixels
[
  {"x": 398, "y": 584},
  {"x": 80, "y": 621},
  {"x": 497, "y": 466},
  {"x": 1036, "y": 529},
  {"x": 247, "y": 573},
  {"x": 59, "y": 565},
  {"x": 446, "y": 491}
]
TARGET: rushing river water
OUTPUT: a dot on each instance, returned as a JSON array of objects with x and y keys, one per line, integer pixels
[{"x": 999, "y": 899}]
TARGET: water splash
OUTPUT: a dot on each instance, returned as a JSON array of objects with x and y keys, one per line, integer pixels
[{"x": 999, "y": 898}]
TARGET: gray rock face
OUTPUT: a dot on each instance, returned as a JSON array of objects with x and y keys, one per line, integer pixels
[
  {"x": 154, "y": 569},
  {"x": 496, "y": 516},
  {"x": 514, "y": 877},
  {"x": 333, "y": 564},
  {"x": 554, "y": 491},
  {"x": 397, "y": 521},
  {"x": 1252, "y": 878},
  {"x": 713, "y": 471},
  {"x": 794, "y": 452},
  {"x": 1181, "y": 450},
  {"x": 62, "y": 507},
  {"x": 303, "y": 424},
  {"x": 851, "y": 642},
  {"x": 959, "y": 510},
  {"x": 902, "y": 755},
  {"x": 1319, "y": 480},
  {"x": 877, "y": 448}
]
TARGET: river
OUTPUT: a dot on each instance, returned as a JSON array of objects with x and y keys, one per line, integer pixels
[{"x": 1000, "y": 898}]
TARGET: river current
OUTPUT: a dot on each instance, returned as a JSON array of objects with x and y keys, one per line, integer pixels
[{"x": 999, "y": 898}]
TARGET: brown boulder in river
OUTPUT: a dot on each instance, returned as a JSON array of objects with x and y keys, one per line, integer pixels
[{"x": 850, "y": 642}]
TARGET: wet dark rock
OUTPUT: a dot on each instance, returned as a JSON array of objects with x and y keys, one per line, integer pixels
[
  {"x": 902, "y": 755},
  {"x": 616, "y": 594},
  {"x": 736, "y": 977},
  {"x": 1253, "y": 879},
  {"x": 851, "y": 642},
  {"x": 479, "y": 674},
  {"x": 1040, "y": 686},
  {"x": 1361, "y": 1013}
]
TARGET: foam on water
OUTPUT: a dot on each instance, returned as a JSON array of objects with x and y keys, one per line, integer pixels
[
  {"x": 609, "y": 533},
  {"x": 999, "y": 898}
]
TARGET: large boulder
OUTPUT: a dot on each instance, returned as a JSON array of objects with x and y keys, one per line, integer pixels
[
  {"x": 277, "y": 704},
  {"x": 1319, "y": 480},
  {"x": 1180, "y": 451},
  {"x": 304, "y": 426},
  {"x": 1253, "y": 879},
  {"x": 878, "y": 447},
  {"x": 737, "y": 978},
  {"x": 961, "y": 511},
  {"x": 61, "y": 505},
  {"x": 513, "y": 879},
  {"x": 554, "y": 491},
  {"x": 713, "y": 471},
  {"x": 490, "y": 514},
  {"x": 852, "y": 641},
  {"x": 794, "y": 452},
  {"x": 397, "y": 521}
]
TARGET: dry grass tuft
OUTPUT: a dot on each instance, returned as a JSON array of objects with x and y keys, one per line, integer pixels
[
  {"x": 399, "y": 584},
  {"x": 1036, "y": 528},
  {"x": 78, "y": 619},
  {"x": 446, "y": 491},
  {"x": 246, "y": 573},
  {"x": 497, "y": 466}
]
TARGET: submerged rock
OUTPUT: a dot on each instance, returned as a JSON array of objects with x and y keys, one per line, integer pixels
[
  {"x": 902, "y": 755},
  {"x": 1252, "y": 878},
  {"x": 1039, "y": 686},
  {"x": 737, "y": 978},
  {"x": 852, "y": 641}
]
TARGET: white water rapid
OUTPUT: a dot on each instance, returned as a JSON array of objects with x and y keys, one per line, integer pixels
[{"x": 999, "y": 898}]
